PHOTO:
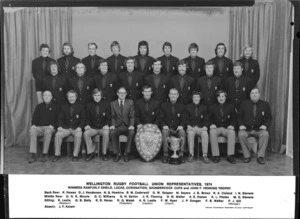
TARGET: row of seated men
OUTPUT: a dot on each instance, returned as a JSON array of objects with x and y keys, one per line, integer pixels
[
  {"x": 143, "y": 71},
  {"x": 173, "y": 117}
]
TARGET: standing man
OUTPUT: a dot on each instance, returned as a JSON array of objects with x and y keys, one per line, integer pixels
[
  {"x": 197, "y": 123},
  {"x": 92, "y": 60},
  {"x": 116, "y": 60},
  {"x": 238, "y": 86},
  {"x": 97, "y": 122},
  {"x": 223, "y": 64},
  {"x": 251, "y": 67},
  {"x": 209, "y": 84},
  {"x": 44, "y": 122},
  {"x": 172, "y": 121},
  {"x": 254, "y": 119},
  {"x": 71, "y": 121},
  {"x": 68, "y": 61},
  {"x": 195, "y": 64},
  {"x": 82, "y": 84},
  {"x": 40, "y": 69},
  {"x": 106, "y": 81},
  {"x": 132, "y": 80},
  {"x": 122, "y": 123},
  {"x": 184, "y": 84},
  {"x": 158, "y": 82},
  {"x": 168, "y": 61},
  {"x": 143, "y": 60}
]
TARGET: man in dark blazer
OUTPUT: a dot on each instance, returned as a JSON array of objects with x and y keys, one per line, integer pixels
[
  {"x": 184, "y": 83},
  {"x": 209, "y": 84},
  {"x": 172, "y": 121},
  {"x": 132, "y": 80},
  {"x": 169, "y": 62},
  {"x": 223, "y": 65},
  {"x": 71, "y": 121},
  {"x": 40, "y": 69},
  {"x": 254, "y": 119},
  {"x": 195, "y": 64},
  {"x": 251, "y": 67},
  {"x": 44, "y": 123},
  {"x": 116, "y": 62},
  {"x": 82, "y": 84},
  {"x": 106, "y": 81},
  {"x": 158, "y": 82},
  {"x": 122, "y": 123},
  {"x": 98, "y": 118},
  {"x": 56, "y": 84},
  {"x": 238, "y": 86},
  {"x": 222, "y": 120},
  {"x": 92, "y": 60},
  {"x": 197, "y": 123},
  {"x": 143, "y": 60},
  {"x": 68, "y": 61},
  {"x": 146, "y": 109}
]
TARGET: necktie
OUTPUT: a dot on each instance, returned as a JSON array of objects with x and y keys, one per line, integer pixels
[
  {"x": 143, "y": 62},
  {"x": 156, "y": 81},
  {"x": 220, "y": 65},
  {"x": 67, "y": 63},
  {"x": 196, "y": 110},
  {"x": 97, "y": 109},
  {"x": 44, "y": 65},
  {"x": 93, "y": 63},
  {"x": 246, "y": 65},
  {"x": 173, "y": 108},
  {"x": 237, "y": 83},
  {"x": 53, "y": 82},
  {"x": 221, "y": 111},
  {"x": 121, "y": 106},
  {"x": 147, "y": 106},
  {"x": 71, "y": 110},
  {"x": 254, "y": 109},
  {"x": 181, "y": 82},
  {"x": 209, "y": 83},
  {"x": 80, "y": 84},
  {"x": 168, "y": 64},
  {"x": 193, "y": 64},
  {"x": 103, "y": 81},
  {"x": 130, "y": 79},
  {"x": 116, "y": 63}
]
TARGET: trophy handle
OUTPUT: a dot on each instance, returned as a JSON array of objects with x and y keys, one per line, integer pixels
[
  {"x": 182, "y": 142},
  {"x": 168, "y": 140}
]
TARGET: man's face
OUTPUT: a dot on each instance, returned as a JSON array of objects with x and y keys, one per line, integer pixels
[
  {"x": 92, "y": 49},
  {"x": 220, "y": 50},
  {"x": 167, "y": 50},
  {"x": 97, "y": 97},
  {"x": 80, "y": 69},
  {"x": 72, "y": 98},
  {"x": 53, "y": 69},
  {"x": 248, "y": 53},
  {"x": 193, "y": 52},
  {"x": 221, "y": 98},
  {"x": 47, "y": 97},
  {"x": 182, "y": 69},
  {"x": 115, "y": 50},
  {"x": 147, "y": 93},
  {"x": 237, "y": 71},
  {"x": 156, "y": 67},
  {"x": 196, "y": 99},
  {"x": 103, "y": 68},
  {"x": 67, "y": 50},
  {"x": 122, "y": 94},
  {"x": 130, "y": 65},
  {"x": 173, "y": 95},
  {"x": 143, "y": 50},
  {"x": 45, "y": 52},
  {"x": 254, "y": 95},
  {"x": 209, "y": 69}
]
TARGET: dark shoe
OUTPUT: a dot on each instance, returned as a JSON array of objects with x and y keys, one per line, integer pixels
[
  {"x": 90, "y": 157},
  {"x": 247, "y": 159},
  {"x": 126, "y": 157},
  {"x": 117, "y": 157},
  {"x": 216, "y": 159},
  {"x": 165, "y": 159},
  {"x": 231, "y": 159},
  {"x": 32, "y": 158},
  {"x": 75, "y": 159},
  {"x": 190, "y": 158},
  {"x": 260, "y": 160},
  {"x": 44, "y": 158},
  {"x": 182, "y": 159},
  {"x": 105, "y": 157},
  {"x": 205, "y": 159},
  {"x": 55, "y": 158}
]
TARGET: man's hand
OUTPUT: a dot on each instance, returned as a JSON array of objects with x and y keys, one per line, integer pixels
[
  {"x": 230, "y": 127},
  {"x": 59, "y": 129},
  {"x": 139, "y": 126},
  {"x": 179, "y": 128},
  {"x": 131, "y": 128},
  {"x": 112, "y": 127},
  {"x": 204, "y": 128},
  {"x": 51, "y": 127},
  {"x": 166, "y": 127},
  {"x": 87, "y": 127},
  {"x": 213, "y": 126},
  {"x": 242, "y": 127},
  {"x": 105, "y": 127},
  {"x": 78, "y": 129},
  {"x": 189, "y": 128},
  {"x": 33, "y": 126},
  {"x": 263, "y": 127}
]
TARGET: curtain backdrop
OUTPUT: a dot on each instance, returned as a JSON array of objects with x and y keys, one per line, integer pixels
[
  {"x": 24, "y": 30},
  {"x": 266, "y": 27}
]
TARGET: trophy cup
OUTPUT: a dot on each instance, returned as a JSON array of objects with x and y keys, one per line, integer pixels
[{"x": 175, "y": 145}]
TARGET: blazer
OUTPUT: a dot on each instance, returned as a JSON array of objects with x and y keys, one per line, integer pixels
[
  {"x": 144, "y": 117},
  {"x": 228, "y": 118},
  {"x": 127, "y": 117},
  {"x": 120, "y": 64},
  {"x": 45, "y": 116},
  {"x": 201, "y": 119},
  {"x": 85, "y": 95},
  {"x": 185, "y": 95},
  {"x": 160, "y": 93},
  {"x": 71, "y": 66},
  {"x": 148, "y": 66},
  {"x": 76, "y": 120},
  {"x": 253, "y": 71},
  {"x": 109, "y": 92},
  {"x": 37, "y": 70},
  {"x": 209, "y": 95},
  {"x": 168, "y": 119},
  {"x": 227, "y": 70},
  {"x": 263, "y": 115},
  {"x": 87, "y": 62},
  {"x": 199, "y": 70},
  {"x": 103, "y": 118},
  {"x": 173, "y": 65}
]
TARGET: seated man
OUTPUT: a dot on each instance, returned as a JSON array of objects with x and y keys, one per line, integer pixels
[
  {"x": 197, "y": 121},
  {"x": 97, "y": 122},
  {"x": 71, "y": 120},
  {"x": 122, "y": 123},
  {"x": 222, "y": 118},
  {"x": 254, "y": 119},
  {"x": 172, "y": 120},
  {"x": 44, "y": 121}
]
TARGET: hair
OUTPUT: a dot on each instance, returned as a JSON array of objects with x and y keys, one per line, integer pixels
[
  {"x": 193, "y": 46},
  {"x": 53, "y": 62},
  {"x": 146, "y": 87},
  {"x": 93, "y": 44},
  {"x": 72, "y": 92},
  {"x": 167, "y": 44},
  {"x": 182, "y": 62},
  {"x": 156, "y": 60},
  {"x": 67, "y": 44},
  {"x": 174, "y": 89},
  {"x": 80, "y": 63},
  {"x": 122, "y": 88},
  {"x": 143, "y": 43},
  {"x": 115, "y": 43},
  {"x": 130, "y": 58},
  {"x": 246, "y": 47},
  {"x": 255, "y": 88},
  {"x": 219, "y": 92},
  {"x": 238, "y": 63},
  {"x": 44, "y": 45},
  {"x": 95, "y": 91},
  {"x": 209, "y": 63},
  {"x": 47, "y": 91},
  {"x": 220, "y": 44},
  {"x": 197, "y": 93}
]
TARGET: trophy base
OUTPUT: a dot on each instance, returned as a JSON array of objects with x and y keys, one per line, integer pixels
[{"x": 175, "y": 161}]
